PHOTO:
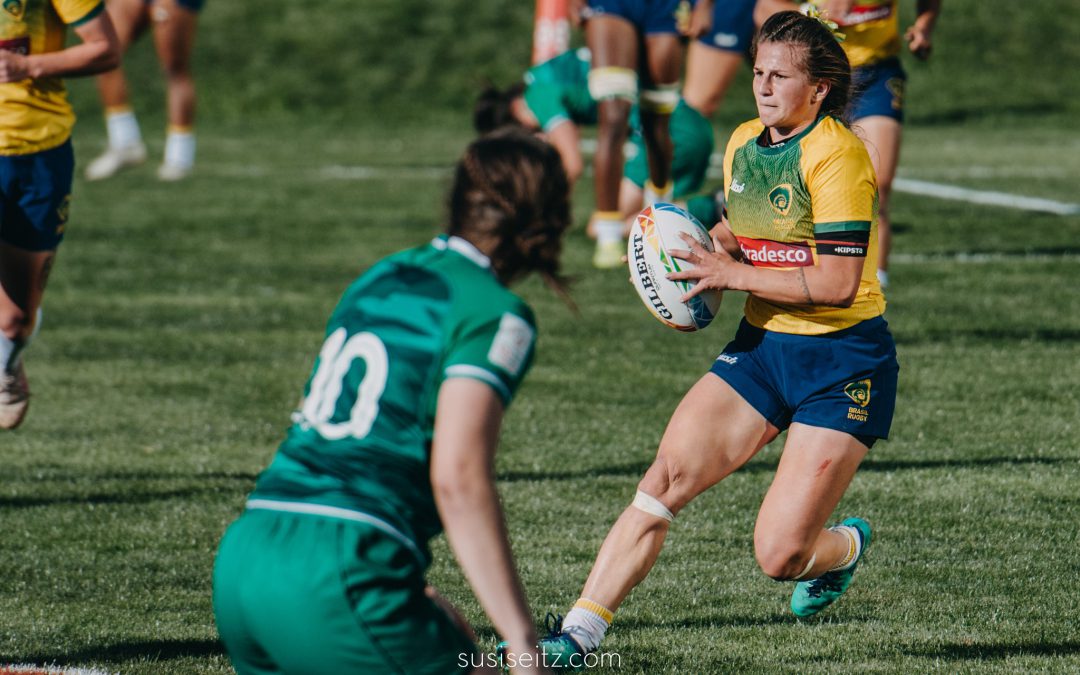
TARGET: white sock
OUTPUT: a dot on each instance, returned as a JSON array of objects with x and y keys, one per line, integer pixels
[
  {"x": 883, "y": 278},
  {"x": 855, "y": 547},
  {"x": 654, "y": 194},
  {"x": 585, "y": 624},
  {"x": 123, "y": 129},
  {"x": 608, "y": 229},
  {"x": 7, "y": 349},
  {"x": 180, "y": 148},
  {"x": 11, "y": 349}
]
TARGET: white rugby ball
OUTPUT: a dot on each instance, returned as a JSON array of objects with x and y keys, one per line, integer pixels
[{"x": 655, "y": 232}]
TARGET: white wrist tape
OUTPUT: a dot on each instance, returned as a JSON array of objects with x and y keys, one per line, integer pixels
[{"x": 652, "y": 506}]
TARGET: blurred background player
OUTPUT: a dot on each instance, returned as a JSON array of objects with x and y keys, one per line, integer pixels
[
  {"x": 395, "y": 441},
  {"x": 36, "y": 162},
  {"x": 174, "y": 23},
  {"x": 555, "y": 99},
  {"x": 632, "y": 42},
  {"x": 872, "y": 42},
  {"x": 813, "y": 353},
  {"x": 713, "y": 59}
]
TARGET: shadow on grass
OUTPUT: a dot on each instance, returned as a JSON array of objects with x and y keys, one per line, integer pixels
[
  {"x": 995, "y": 336},
  {"x": 963, "y": 652},
  {"x": 51, "y": 486},
  {"x": 637, "y": 469},
  {"x": 140, "y": 497},
  {"x": 155, "y": 650}
]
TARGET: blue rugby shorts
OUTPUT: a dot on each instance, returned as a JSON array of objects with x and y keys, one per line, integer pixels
[{"x": 845, "y": 380}]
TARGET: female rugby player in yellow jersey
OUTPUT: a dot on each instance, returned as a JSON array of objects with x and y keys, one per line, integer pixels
[
  {"x": 36, "y": 162},
  {"x": 174, "y": 23},
  {"x": 813, "y": 354},
  {"x": 872, "y": 42}
]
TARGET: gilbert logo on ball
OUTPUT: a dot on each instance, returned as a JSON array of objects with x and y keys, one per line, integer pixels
[{"x": 656, "y": 232}]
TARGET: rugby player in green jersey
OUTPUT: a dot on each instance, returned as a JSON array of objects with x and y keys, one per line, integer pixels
[
  {"x": 554, "y": 99},
  {"x": 394, "y": 442}
]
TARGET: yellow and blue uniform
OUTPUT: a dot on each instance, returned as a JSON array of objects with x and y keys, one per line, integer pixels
[
  {"x": 872, "y": 43},
  {"x": 732, "y": 26},
  {"x": 790, "y": 204},
  {"x": 650, "y": 17},
  {"x": 36, "y": 161}
]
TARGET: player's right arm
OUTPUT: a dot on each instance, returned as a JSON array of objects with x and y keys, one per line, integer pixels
[
  {"x": 467, "y": 421},
  {"x": 98, "y": 51}
]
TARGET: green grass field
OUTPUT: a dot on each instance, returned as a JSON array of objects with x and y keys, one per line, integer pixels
[{"x": 182, "y": 320}]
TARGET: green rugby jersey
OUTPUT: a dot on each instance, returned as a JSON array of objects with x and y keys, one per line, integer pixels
[
  {"x": 557, "y": 91},
  {"x": 360, "y": 444}
]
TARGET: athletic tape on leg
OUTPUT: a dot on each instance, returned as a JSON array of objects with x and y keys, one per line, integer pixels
[
  {"x": 661, "y": 99},
  {"x": 613, "y": 83},
  {"x": 652, "y": 506}
]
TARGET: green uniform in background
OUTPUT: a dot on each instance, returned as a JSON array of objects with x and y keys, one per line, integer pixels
[
  {"x": 557, "y": 91},
  {"x": 324, "y": 572}
]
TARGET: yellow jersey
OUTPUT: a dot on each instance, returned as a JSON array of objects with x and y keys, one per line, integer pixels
[
  {"x": 35, "y": 114},
  {"x": 788, "y": 203},
  {"x": 871, "y": 30}
]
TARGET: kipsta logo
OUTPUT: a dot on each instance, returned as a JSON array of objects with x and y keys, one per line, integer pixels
[
  {"x": 780, "y": 198},
  {"x": 859, "y": 392}
]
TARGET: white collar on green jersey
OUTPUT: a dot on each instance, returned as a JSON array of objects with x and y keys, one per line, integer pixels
[{"x": 464, "y": 247}]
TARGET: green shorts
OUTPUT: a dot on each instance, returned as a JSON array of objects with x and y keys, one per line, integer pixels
[
  {"x": 309, "y": 594},
  {"x": 692, "y": 139}
]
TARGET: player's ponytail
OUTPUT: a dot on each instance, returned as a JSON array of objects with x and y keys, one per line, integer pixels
[
  {"x": 510, "y": 189},
  {"x": 822, "y": 58}
]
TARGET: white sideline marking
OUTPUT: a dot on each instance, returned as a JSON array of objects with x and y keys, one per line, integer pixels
[
  {"x": 929, "y": 189},
  {"x": 963, "y": 257},
  {"x": 715, "y": 172},
  {"x": 941, "y": 191}
]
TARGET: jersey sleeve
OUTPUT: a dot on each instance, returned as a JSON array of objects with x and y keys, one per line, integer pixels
[
  {"x": 78, "y": 11},
  {"x": 842, "y": 187},
  {"x": 545, "y": 101},
  {"x": 495, "y": 349}
]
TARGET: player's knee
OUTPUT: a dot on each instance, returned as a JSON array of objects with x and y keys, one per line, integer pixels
[
  {"x": 176, "y": 68},
  {"x": 613, "y": 122},
  {"x": 780, "y": 560},
  {"x": 668, "y": 481}
]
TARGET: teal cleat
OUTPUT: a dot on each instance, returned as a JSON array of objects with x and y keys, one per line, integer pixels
[
  {"x": 810, "y": 597},
  {"x": 559, "y": 650}
]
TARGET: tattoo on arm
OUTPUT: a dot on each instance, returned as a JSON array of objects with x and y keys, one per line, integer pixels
[{"x": 805, "y": 288}]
